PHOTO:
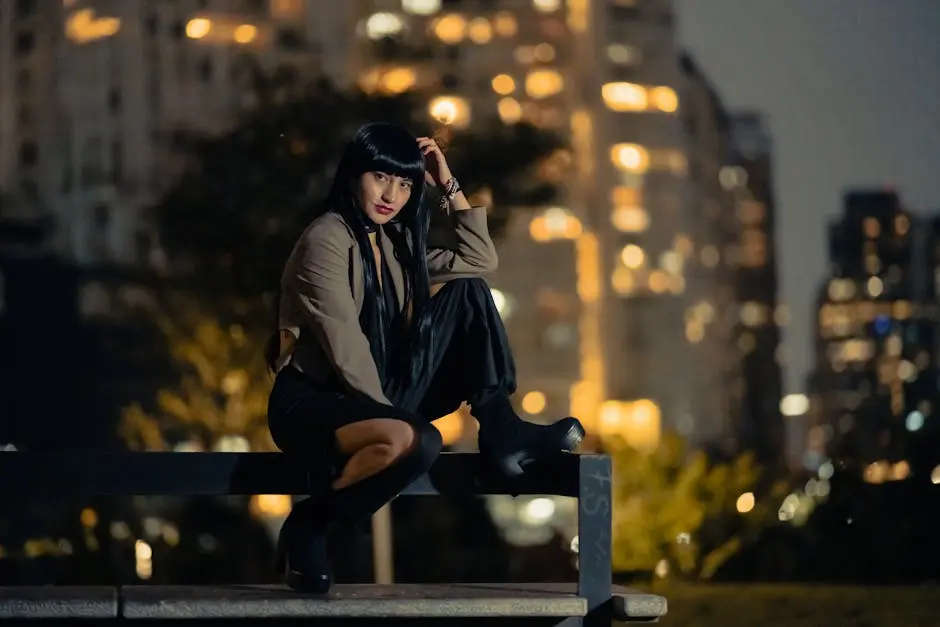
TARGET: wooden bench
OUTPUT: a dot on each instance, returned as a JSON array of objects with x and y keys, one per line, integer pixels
[{"x": 591, "y": 601}]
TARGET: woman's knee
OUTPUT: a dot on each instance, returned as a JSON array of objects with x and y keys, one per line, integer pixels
[
  {"x": 394, "y": 437},
  {"x": 397, "y": 439}
]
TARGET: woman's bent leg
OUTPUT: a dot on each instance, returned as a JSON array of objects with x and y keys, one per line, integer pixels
[
  {"x": 472, "y": 362},
  {"x": 376, "y": 452},
  {"x": 372, "y": 445}
]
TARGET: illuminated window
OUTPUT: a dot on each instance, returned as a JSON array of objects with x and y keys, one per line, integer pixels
[
  {"x": 841, "y": 289},
  {"x": 624, "y": 96},
  {"x": 753, "y": 314},
  {"x": 198, "y": 27},
  {"x": 546, "y": 6},
  {"x": 731, "y": 177},
  {"x": 671, "y": 262},
  {"x": 398, "y": 80},
  {"x": 578, "y": 15},
  {"x": 668, "y": 159},
  {"x": 524, "y": 55},
  {"x": 380, "y": 25},
  {"x": 664, "y": 99},
  {"x": 543, "y": 83},
  {"x": 753, "y": 248},
  {"x": 623, "y": 55},
  {"x": 544, "y": 53},
  {"x": 683, "y": 245},
  {"x": 510, "y": 111},
  {"x": 245, "y": 33},
  {"x": 286, "y": 8},
  {"x": 632, "y": 256},
  {"x": 83, "y": 26},
  {"x": 450, "y": 110},
  {"x": 630, "y": 219},
  {"x": 710, "y": 256},
  {"x": 421, "y": 7},
  {"x": 503, "y": 84},
  {"x": 902, "y": 224},
  {"x": 658, "y": 281},
  {"x": 751, "y": 212},
  {"x": 623, "y": 195},
  {"x": 480, "y": 31},
  {"x": 630, "y": 157},
  {"x": 622, "y": 281},
  {"x": 901, "y": 310},
  {"x": 555, "y": 224},
  {"x": 450, "y": 29},
  {"x": 505, "y": 24}
]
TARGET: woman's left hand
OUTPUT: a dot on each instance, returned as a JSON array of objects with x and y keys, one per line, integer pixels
[{"x": 437, "y": 172}]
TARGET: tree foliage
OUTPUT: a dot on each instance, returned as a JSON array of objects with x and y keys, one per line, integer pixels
[
  {"x": 673, "y": 504},
  {"x": 235, "y": 212},
  {"x": 220, "y": 400}
]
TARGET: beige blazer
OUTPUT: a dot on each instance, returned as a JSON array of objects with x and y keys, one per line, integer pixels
[{"x": 322, "y": 292}]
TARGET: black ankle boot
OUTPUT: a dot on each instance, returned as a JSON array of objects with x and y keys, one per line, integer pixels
[
  {"x": 301, "y": 555},
  {"x": 510, "y": 443}
]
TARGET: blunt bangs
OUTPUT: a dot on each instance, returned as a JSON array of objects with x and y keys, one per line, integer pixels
[{"x": 391, "y": 149}]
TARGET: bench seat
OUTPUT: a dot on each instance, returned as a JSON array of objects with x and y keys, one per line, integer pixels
[{"x": 441, "y": 601}]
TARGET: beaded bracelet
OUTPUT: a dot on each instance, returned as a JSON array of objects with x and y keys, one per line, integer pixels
[{"x": 451, "y": 189}]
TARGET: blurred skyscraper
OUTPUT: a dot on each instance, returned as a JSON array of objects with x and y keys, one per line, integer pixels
[
  {"x": 733, "y": 320},
  {"x": 749, "y": 179},
  {"x": 875, "y": 383}
]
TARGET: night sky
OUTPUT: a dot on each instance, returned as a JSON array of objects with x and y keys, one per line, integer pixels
[{"x": 851, "y": 89}]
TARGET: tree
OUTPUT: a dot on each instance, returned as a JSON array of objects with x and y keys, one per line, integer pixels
[
  {"x": 220, "y": 401},
  {"x": 673, "y": 504},
  {"x": 232, "y": 218}
]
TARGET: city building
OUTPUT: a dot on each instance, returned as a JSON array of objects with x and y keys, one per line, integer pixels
[
  {"x": 875, "y": 381},
  {"x": 93, "y": 93},
  {"x": 749, "y": 178},
  {"x": 733, "y": 321}
]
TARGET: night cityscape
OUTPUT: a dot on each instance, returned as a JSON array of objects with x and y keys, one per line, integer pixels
[{"x": 756, "y": 348}]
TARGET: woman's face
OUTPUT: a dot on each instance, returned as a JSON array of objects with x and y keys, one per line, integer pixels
[{"x": 382, "y": 196}]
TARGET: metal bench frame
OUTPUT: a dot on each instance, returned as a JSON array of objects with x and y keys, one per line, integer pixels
[{"x": 75, "y": 473}]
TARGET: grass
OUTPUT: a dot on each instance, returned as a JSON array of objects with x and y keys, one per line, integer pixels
[{"x": 799, "y": 605}]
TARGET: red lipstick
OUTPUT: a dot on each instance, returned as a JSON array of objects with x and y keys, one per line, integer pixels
[{"x": 383, "y": 210}]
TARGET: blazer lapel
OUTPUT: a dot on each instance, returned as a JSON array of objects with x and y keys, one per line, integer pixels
[{"x": 394, "y": 266}]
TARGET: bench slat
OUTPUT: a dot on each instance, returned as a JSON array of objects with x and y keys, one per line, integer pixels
[
  {"x": 81, "y": 473},
  {"x": 355, "y": 600},
  {"x": 633, "y": 605},
  {"x": 58, "y": 602}
]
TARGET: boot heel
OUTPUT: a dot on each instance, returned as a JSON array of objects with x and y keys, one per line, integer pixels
[
  {"x": 308, "y": 583},
  {"x": 280, "y": 561},
  {"x": 511, "y": 466}
]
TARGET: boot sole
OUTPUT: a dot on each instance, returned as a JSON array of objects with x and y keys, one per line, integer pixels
[{"x": 298, "y": 581}]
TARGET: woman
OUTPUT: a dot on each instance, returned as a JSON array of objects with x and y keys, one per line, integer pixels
[{"x": 366, "y": 356}]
